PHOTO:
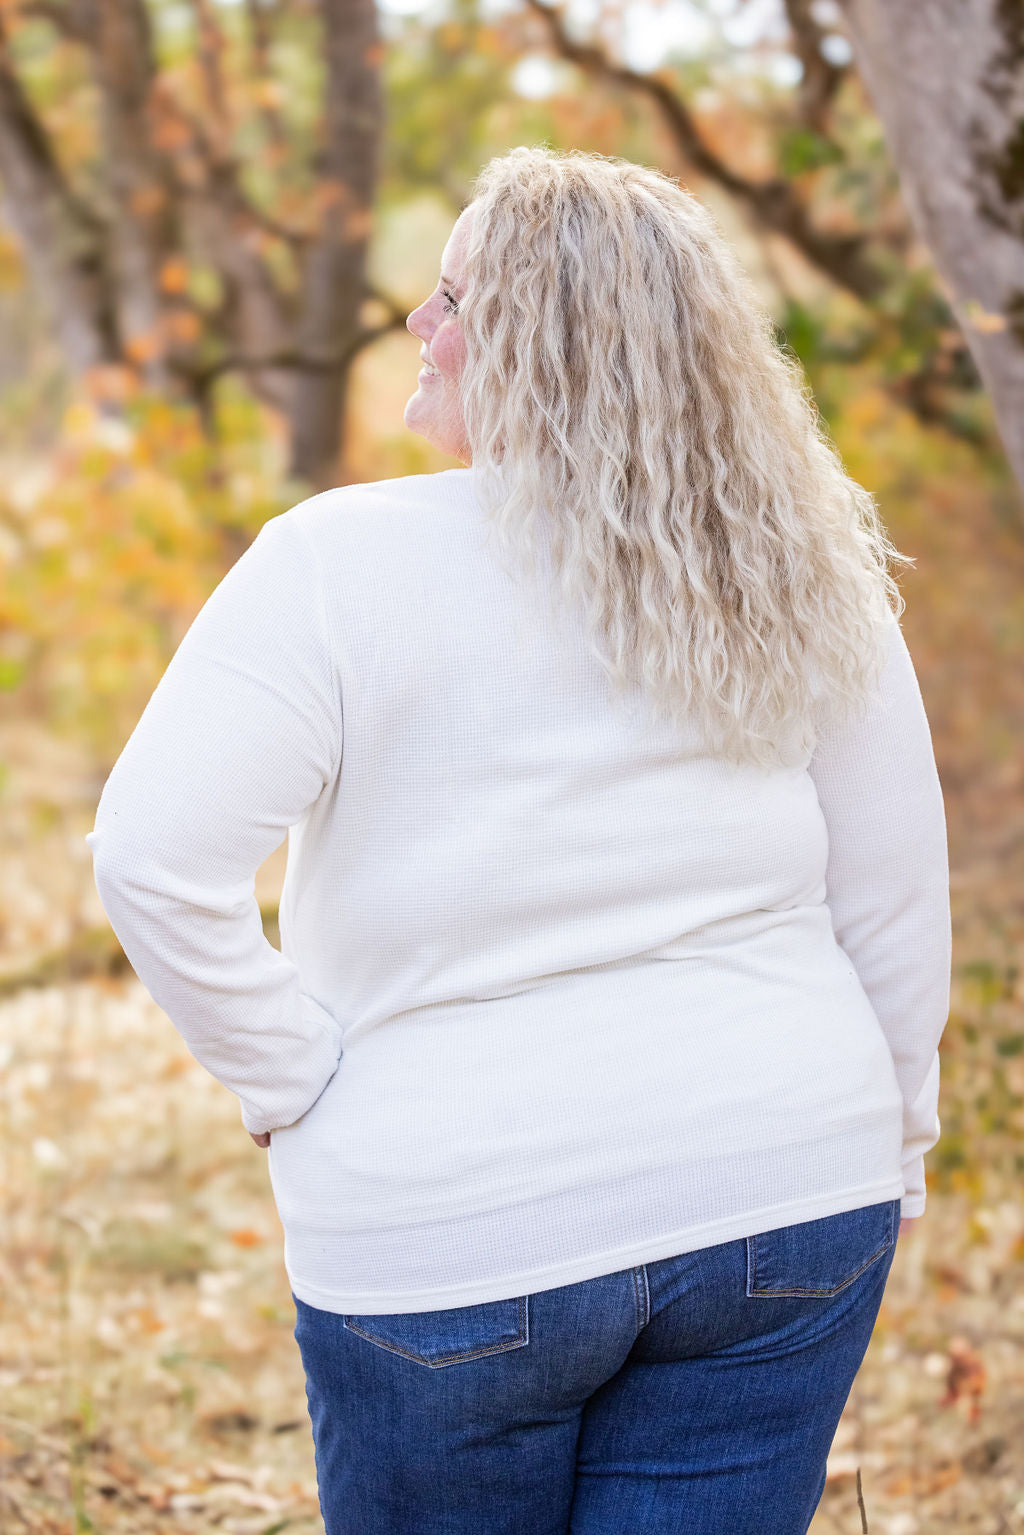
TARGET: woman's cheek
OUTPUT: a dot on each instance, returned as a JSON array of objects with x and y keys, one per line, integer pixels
[{"x": 449, "y": 353}]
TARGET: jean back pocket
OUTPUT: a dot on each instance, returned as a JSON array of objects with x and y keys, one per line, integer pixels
[
  {"x": 823, "y": 1256},
  {"x": 452, "y": 1336}
]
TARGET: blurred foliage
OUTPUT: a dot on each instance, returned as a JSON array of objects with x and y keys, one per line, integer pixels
[
  {"x": 120, "y": 509},
  {"x": 442, "y": 82},
  {"x": 112, "y": 544},
  {"x": 983, "y": 1079}
]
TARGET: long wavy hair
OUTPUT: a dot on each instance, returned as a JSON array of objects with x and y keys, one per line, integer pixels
[{"x": 625, "y": 394}]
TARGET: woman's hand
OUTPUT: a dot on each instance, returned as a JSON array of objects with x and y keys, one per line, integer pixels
[
  {"x": 908, "y": 1220},
  {"x": 263, "y": 1139}
]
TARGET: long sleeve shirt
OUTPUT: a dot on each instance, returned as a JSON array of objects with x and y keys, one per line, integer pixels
[{"x": 560, "y": 990}]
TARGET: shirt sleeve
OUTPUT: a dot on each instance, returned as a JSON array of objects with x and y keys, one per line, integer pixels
[
  {"x": 887, "y": 884},
  {"x": 241, "y": 736}
]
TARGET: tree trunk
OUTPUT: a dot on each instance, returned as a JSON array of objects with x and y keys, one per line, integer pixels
[
  {"x": 334, "y": 278},
  {"x": 143, "y": 232},
  {"x": 65, "y": 243},
  {"x": 947, "y": 81},
  {"x": 167, "y": 189}
]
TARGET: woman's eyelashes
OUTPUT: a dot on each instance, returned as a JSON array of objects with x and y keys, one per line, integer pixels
[{"x": 452, "y": 304}]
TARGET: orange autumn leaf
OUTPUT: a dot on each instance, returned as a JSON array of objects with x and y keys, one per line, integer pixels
[
  {"x": 331, "y": 192},
  {"x": 966, "y": 1378},
  {"x": 267, "y": 93},
  {"x": 12, "y": 268},
  {"x": 943, "y": 1476},
  {"x": 148, "y": 1319},
  {"x": 490, "y": 43},
  {"x": 181, "y": 325},
  {"x": 111, "y": 382},
  {"x": 143, "y": 346},
  {"x": 174, "y": 275},
  {"x": 245, "y": 1236},
  {"x": 358, "y": 224},
  {"x": 109, "y": 985},
  {"x": 923, "y": 1481},
  {"x": 170, "y": 132},
  {"x": 147, "y": 199},
  {"x": 116, "y": 1466}
]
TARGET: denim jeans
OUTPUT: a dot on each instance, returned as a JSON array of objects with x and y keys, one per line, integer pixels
[{"x": 695, "y": 1394}]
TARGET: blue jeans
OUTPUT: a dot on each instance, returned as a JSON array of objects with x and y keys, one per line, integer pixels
[{"x": 699, "y": 1393}]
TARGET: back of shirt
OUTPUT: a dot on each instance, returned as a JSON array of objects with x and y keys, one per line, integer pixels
[{"x": 560, "y": 990}]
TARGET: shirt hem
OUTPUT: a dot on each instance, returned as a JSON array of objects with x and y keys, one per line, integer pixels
[{"x": 594, "y": 1265}]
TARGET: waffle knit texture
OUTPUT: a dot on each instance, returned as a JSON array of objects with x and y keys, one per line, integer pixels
[{"x": 559, "y": 991}]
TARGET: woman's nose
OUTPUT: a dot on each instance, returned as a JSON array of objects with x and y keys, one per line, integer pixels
[{"x": 415, "y": 322}]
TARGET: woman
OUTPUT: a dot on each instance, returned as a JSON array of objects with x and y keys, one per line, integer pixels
[{"x": 600, "y": 1059}]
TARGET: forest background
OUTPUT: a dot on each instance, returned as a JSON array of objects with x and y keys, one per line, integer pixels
[{"x": 214, "y": 218}]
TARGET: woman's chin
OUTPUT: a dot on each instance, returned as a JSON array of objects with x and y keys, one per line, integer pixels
[
  {"x": 422, "y": 417},
  {"x": 417, "y": 414}
]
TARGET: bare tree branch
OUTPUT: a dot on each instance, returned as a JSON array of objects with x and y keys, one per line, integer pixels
[
  {"x": 222, "y": 178},
  {"x": 259, "y": 43},
  {"x": 210, "y": 41},
  {"x": 290, "y": 360},
  {"x": 66, "y": 19},
  {"x": 821, "y": 79},
  {"x": 774, "y": 203}
]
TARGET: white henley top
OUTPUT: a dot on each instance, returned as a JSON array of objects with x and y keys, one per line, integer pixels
[{"x": 559, "y": 991}]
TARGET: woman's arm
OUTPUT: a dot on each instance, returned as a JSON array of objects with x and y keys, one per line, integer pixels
[
  {"x": 240, "y": 737},
  {"x": 888, "y": 886}
]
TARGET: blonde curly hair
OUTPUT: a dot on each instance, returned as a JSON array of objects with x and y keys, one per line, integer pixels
[{"x": 624, "y": 394}]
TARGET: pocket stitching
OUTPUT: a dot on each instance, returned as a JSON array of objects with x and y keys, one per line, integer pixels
[
  {"x": 445, "y": 1359},
  {"x": 752, "y": 1267}
]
